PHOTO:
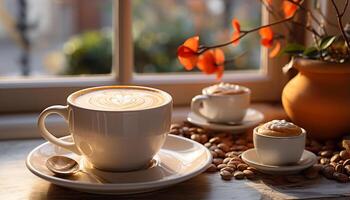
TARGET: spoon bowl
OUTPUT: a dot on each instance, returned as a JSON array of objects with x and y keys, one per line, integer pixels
[{"x": 62, "y": 165}]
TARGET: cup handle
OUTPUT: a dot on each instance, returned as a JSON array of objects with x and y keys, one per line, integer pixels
[
  {"x": 62, "y": 111},
  {"x": 196, "y": 104}
]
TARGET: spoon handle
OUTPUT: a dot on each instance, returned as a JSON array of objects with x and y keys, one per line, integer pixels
[{"x": 94, "y": 176}]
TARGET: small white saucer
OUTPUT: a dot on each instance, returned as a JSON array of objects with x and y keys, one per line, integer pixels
[
  {"x": 252, "y": 118},
  {"x": 178, "y": 160},
  {"x": 307, "y": 160}
]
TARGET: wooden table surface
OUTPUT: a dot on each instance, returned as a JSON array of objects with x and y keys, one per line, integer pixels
[{"x": 16, "y": 182}]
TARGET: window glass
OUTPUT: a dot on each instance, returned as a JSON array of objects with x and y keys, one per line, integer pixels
[
  {"x": 159, "y": 27},
  {"x": 55, "y": 37}
]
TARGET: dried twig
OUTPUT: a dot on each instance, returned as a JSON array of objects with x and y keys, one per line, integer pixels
[{"x": 341, "y": 26}]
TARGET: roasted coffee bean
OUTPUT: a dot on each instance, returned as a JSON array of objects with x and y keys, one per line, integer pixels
[
  {"x": 242, "y": 167},
  {"x": 234, "y": 167},
  {"x": 250, "y": 145},
  {"x": 212, "y": 168},
  {"x": 200, "y": 131},
  {"x": 221, "y": 166},
  {"x": 213, "y": 147},
  {"x": 346, "y": 162},
  {"x": 324, "y": 161},
  {"x": 239, "y": 148},
  {"x": 224, "y": 147},
  {"x": 333, "y": 164},
  {"x": 335, "y": 158},
  {"x": 196, "y": 137},
  {"x": 203, "y": 138},
  {"x": 234, "y": 162},
  {"x": 220, "y": 153},
  {"x": 326, "y": 154},
  {"x": 238, "y": 175},
  {"x": 225, "y": 175},
  {"x": 226, "y": 160},
  {"x": 237, "y": 159},
  {"x": 241, "y": 142},
  {"x": 232, "y": 154},
  {"x": 208, "y": 144},
  {"x": 175, "y": 126},
  {"x": 214, "y": 154},
  {"x": 174, "y": 132},
  {"x": 193, "y": 129},
  {"x": 185, "y": 130},
  {"x": 215, "y": 140},
  {"x": 340, "y": 177},
  {"x": 312, "y": 172},
  {"x": 344, "y": 155},
  {"x": 249, "y": 174},
  {"x": 339, "y": 168},
  {"x": 252, "y": 169},
  {"x": 328, "y": 171},
  {"x": 347, "y": 169},
  {"x": 230, "y": 169},
  {"x": 217, "y": 161},
  {"x": 346, "y": 144}
]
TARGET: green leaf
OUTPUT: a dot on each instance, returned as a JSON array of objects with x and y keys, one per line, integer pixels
[
  {"x": 293, "y": 48},
  {"x": 325, "y": 42},
  {"x": 311, "y": 52}
]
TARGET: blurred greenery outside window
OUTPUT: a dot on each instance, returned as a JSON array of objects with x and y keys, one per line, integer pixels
[{"x": 70, "y": 37}]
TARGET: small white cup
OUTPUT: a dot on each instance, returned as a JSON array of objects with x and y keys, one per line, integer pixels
[
  {"x": 279, "y": 151},
  {"x": 221, "y": 108}
]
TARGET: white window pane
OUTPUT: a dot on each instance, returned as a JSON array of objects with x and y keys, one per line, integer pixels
[
  {"x": 159, "y": 27},
  {"x": 65, "y": 37}
]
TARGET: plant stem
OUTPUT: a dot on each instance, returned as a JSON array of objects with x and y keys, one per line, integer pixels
[
  {"x": 277, "y": 16},
  {"x": 341, "y": 27},
  {"x": 345, "y": 7},
  {"x": 205, "y": 48},
  {"x": 325, "y": 18},
  {"x": 310, "y": 13},
  {"x": 308, "y": 28}
]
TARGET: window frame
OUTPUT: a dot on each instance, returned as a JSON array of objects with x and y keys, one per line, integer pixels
[{"x": 34, "y": 94}]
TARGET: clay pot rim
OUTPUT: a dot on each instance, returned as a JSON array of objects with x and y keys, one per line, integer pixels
[{"x": 318, "y": 66}]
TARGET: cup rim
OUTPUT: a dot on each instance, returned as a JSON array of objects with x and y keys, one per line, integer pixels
[
  {"x": 71, "y": 96},
  {"x": 255, "y": 132},
  {"x": 247, "y": 91}
]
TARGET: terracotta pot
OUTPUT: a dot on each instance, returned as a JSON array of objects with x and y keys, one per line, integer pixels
[{"x": 318, "y": 98}]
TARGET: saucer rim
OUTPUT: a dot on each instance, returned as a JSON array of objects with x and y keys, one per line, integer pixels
[
  {"x": 120, "y": 187},
  {"x": 263, "y": 167},
  {"x": 214, "y": 126}
]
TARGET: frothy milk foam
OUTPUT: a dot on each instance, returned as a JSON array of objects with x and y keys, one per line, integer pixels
[{"x": 120, "y": 98}]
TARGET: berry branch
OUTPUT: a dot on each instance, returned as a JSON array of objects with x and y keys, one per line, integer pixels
[{"x": 202, "y": 49}]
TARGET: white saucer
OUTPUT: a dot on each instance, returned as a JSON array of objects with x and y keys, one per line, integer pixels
[
  {"x": 179, "y": 159},
  {"x": 252, "y": 118},
  {"x": 307, "y": 160}
]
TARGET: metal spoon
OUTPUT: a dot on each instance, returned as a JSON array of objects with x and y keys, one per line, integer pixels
[{"x": 63, "y": 166}]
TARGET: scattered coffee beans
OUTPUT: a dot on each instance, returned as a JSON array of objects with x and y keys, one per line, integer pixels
[{"x": 333, "y": 162}]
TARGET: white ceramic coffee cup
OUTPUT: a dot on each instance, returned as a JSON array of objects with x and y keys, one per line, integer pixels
[
  {"x": 221, "y": 108},
  {"x": 279, "y": 151},
  {"x": 112, "y": 140}
]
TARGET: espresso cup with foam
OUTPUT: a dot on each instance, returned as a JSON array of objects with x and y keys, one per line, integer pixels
[
  {"x": 116, "y": 128},
  {"x": 279, "y": 142},
  {"x": 222, "y": 103}
]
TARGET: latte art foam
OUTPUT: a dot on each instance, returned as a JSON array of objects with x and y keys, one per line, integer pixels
[{"x": 120, "y": 99}]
